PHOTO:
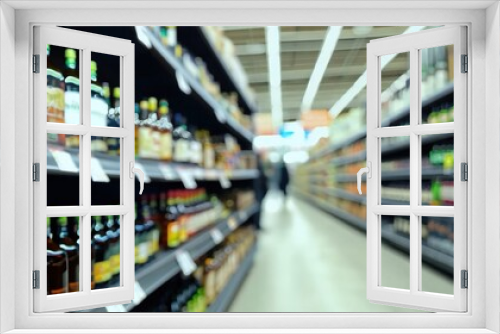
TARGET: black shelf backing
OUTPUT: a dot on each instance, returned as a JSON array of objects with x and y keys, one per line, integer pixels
[{"x": 446, "y": 91}]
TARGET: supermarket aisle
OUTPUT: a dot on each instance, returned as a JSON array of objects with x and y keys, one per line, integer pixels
[{"x": 309, "y": 261}]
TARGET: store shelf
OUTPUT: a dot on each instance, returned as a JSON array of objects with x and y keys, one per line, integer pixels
[
  {"x": 156, "y": 170},
  {"x": 396, "y": 117},
  {"x": 247, "y": 100},
  {"x": 221, "y": 304},
  {"x": 402, "y": 174},
  {"x": 165, "y": 266},
  {"x": 178, "y": 67},
  {"x": 436, "y": 258}
]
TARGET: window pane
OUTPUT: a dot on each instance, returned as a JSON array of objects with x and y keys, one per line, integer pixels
[
  {"x": 436, "y": 88},
  {"x": 63, "y": 170},
  {"x": 63, "y": 86},
  {"x": 437, "y": 169},
  {"x": 63, "y": 258},
  {"x": 395, "y": 89},
  {"x": 395, "y": 170},
  {"x": 105, "y": 251},
  {"x": 105, "y": 90},
  {"x": 395, "y": 263},
  {"x": 437, "y": 250},
  {"x": 105, "y": 171}
]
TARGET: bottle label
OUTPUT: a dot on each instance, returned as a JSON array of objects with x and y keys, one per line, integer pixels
[
  {"x": 166, "y": 146},
  {"x": 155, "y": 144},
  {"x": 141, "y": 253},
  {"x": 98, "y": 112},
  {"x": 156, "y": 241},
  {"x": 102, "y": 271},
  {"x": 145, "y": 142},
  {"x": 72, "y": 107},
  {"x": 114, "y": 262}
]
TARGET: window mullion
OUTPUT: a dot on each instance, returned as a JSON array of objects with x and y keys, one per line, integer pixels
[
  {"x": 414, "y": 171},
  {"x": 85, "y": 176}
]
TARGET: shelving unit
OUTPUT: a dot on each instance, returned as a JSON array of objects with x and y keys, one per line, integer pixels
[
  {"x": 161, "y": 73},
  {"x": 328, "y": 182},
  {"x": 438, "y": 259},
  {"x": 165, "y": 264}
]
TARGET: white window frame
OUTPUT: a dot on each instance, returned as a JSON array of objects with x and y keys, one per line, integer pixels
[
  {"x": 412, "y": 44},
  {"x": 484, "y": 50},
  {"x": 85, "y": 43}
]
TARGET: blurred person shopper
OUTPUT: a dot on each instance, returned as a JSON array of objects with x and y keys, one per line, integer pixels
[
  {"x": 260, "y": 188},
  {"x": 284, "y": 178}
]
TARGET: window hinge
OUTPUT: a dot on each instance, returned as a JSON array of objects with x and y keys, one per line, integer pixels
[
  {"x": 465, "y": 64},
  {"x": 464, "y": 171},
  {"x": 465, "y": 279},
  {"x": 36, "y": 172},
  {"x": 36, "y": 63},
  {"x": 36, "y": 279}
]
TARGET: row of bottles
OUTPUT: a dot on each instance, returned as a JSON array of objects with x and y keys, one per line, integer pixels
[
  {"x": 63, "y": 255},
  {"x": 167, "y": 219},
  {"x": 63, "y": 101}
]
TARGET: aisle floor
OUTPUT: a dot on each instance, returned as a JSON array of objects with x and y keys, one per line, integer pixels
[{"x": 310, "y": 261}]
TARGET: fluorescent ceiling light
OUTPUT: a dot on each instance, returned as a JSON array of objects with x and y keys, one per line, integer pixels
[
  {"x": 326, "y": 53},
  {"x": 141, "y": 35},
  {"x": 274, "y": 70},
  {"x": 360, "y": 83}
]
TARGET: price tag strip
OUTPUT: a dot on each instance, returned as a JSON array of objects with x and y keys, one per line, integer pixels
[
  {"x": 217, "y": 236},
  {"x": 147, "y": 179},
  {"x": 168, "y": 173},
  {"x": 64, "y": 161},
  {"x": 232, "y": 223},
  {"x": 225, "y": 183},
  {"x": 97, "y": 173},
  {"x": 243, "y": 216},
  {"x": 185, "y": 261},
  {"x": 182, "y": 83},
  {"x": 187, "y": 178}
]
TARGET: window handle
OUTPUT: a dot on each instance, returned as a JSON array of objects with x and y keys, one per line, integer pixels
[
  {"x": 139, "y": 172},
  {"x": 368, "y": 171}
]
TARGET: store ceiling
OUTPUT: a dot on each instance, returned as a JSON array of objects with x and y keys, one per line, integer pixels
[{"x": 300, "y": 47}]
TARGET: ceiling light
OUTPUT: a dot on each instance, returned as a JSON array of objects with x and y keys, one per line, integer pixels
[
  {"x": 274, "y": 70},
  {"x": 326, "y": 53}
]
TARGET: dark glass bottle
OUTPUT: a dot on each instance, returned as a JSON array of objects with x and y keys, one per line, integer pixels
[
  {"x": 70, "y": 246},
  {"x": 113, "y": 233},
  {"x": 57, "y": 270}
]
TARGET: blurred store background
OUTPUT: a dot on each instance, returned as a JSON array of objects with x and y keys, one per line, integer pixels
[{"x": 250, "y": 138}]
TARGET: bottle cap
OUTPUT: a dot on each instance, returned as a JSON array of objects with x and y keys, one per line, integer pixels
[
  {"x": 153, "y": 104},
  {"x": 105, "y": 89},
  {"x": 70, "y": 53},
  {"x": 144, "y": 104},
  {"x": 93, "y": 66},
  {"x": 62, "y": 221},
  {"x": 116, "y": 92}
]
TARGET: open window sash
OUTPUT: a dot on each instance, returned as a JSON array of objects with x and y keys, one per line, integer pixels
[
  {"x": 416, "y": 296},
  {"x": 84, "y": 44}
]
